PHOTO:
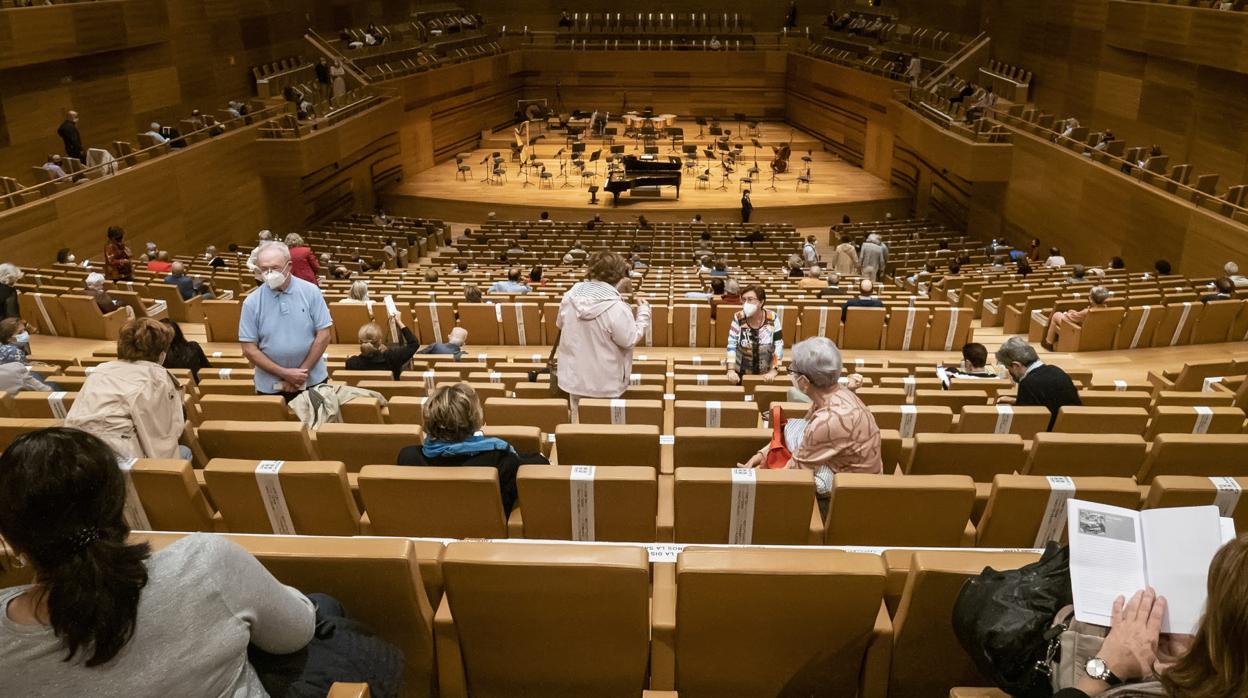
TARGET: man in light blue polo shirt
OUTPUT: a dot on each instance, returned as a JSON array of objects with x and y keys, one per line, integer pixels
[{"x": 284, "y": 327}]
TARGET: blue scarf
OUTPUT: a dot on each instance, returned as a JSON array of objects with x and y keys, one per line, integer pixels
[{"x": 472, "y": 446}]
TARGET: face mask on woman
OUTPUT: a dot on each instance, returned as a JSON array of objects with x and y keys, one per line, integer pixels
[
  {"x": 749, "y": 309},
  {"x": 22, "y": 338}
]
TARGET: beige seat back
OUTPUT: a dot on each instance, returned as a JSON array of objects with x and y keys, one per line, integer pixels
[
  {"x": 624, "y": 504},
  {"x": 522, "y": 324},
  {"x": 359, "y": 445},
  {"x": 950, "y": 328},
  {"x": 723, "y": 447},
  {"x": 437, "y": 502},
  {"x": 435, "y": 322},
  {"x": 31, "y": 404},
  {"x": 723, "y": 393},
  {"x": 1177, "y": 322},
  {"x": 691, "y": 325},
  {"x": 909, "y": 420},
  {"x": 13, "y": 427},
  {"x": 316, "y": 495},
  {"x": 256, "y": 440},
  {"x": 1116, "y": 398},
  {"x": 1017, "y": 504},
  {"x": 221, "y": 320},
  {"x": 821, "y": 321},
  {"x": 348, "y": 319},
  {"x": 620, "y": 411},
  {"x": 783, "y": 501},
  {"x": 1104, "y": 455},
  {"x": 1193, "y": 491},
  {"x": 981, "y": 456},
  {"x": 1208, "y": 455},
  {"x": 1008, "y": 419},
  {"x": 240, "y": 387},
  {"x": 44, "y": 314},
  {"x": 406, "y": 409},
  {"x": 532, "y": 600},
  {"x": 956, "y": 400},
  {"x": 480, "y": 321},
  {"x": 1138, "y": 326},
  {"x": 543, "y": 413},
  {"x": 607, "y": 444},
  {"x": 1215, "y": 321},
  {"x": 1193, "y": 398},
  {"x": 713, "y": 413},
  {"x": 863, "y": 328},
  {"x": 252, "y": 408},
  {"x": 171, "y": 497},
  {"x": 1077, "y": 419},
  {"x": 907, "y": 329},
  {"x": 914, "y": 510},
  {"x": 1195, "y": 420},
  {"x": 84, "y": 314}
]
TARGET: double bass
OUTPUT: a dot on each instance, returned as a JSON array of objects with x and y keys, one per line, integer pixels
[{"x": 780, "y": 163}]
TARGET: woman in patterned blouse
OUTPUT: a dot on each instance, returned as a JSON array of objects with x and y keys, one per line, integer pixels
[{"x": 755, "y": 340}]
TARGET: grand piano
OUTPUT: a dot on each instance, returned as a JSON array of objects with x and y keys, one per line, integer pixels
[{"x": 643, "y": 172}]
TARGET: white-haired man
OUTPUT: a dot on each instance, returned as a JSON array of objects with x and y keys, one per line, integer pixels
[
  {"x": 1231, "y": 270},
  {"x": 873, "y": 257},
  {"x": 264, "y": 236},
  {"x": 284, "y": 328},
  {"x": 95, "y": 288}
]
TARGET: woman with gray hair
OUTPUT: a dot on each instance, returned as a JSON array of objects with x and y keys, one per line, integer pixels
[
  {"x": 873, "y": 257},
  {"x": 9, "y": 276},
  {"x": 1062, "y": 319},
  {"x": 838, "y": 433},
  {"x": 358, "y": 294}
]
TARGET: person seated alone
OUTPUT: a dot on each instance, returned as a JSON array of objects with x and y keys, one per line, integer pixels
[
  {"x": 814, "y": 279},
  {"x": 833, "y": 288},
  {"x": 212, "y": 258},
  {"x": 1225, "y": 290},
  {"x": 95, "y": 288},
  {"x": 1096, "y": 297},
  {"x": 512, "y": 284},
  {"x": 53, "y": 167},
  {"x": 1039, "y": 384},
  {"x": 453, "y": 419},
  {"x": 1078, "y": 274},
  {"x": 160, "y": 263},
  {"x": 154, "y": 132},
  {"x": 974, "y": 363},
  {"x": 1055, "y": 258},
  {"x": 865, "y": 299},
  {"x": 453, "y": 346},
  {"x": 188, "y": 286}
]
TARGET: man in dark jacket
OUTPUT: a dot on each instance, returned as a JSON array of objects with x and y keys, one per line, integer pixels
[
  {"x": 1038, "y": 383},
  {"x": 865, "y": 299},
  {"x": 68, "y": 131}
]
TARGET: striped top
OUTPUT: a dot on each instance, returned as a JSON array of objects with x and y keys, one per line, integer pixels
[{"x": 753, "y": 351}]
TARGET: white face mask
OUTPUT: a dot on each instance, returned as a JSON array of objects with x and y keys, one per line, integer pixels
[
  {"x": 749, "y": 309},
  {"x": 274, "y": 279},
  {"x": 71, "y": 259},
  {"x": 22, "y": 338}
]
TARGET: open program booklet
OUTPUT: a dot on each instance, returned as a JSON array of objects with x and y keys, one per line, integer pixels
[{"x": 1116, "y": 551}]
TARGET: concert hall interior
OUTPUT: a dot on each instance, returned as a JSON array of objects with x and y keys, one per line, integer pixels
[{"x": 562, "y": 348}]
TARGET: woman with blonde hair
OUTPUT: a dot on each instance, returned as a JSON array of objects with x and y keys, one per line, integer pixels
[
  {"x": 358, "y": 293},
  {"x": 10, "y": 274},
  {"x": 303, "y": 262},
  {"x": 134, "y": 404},
  {"x": 452, "y": 420},
  {"x": 375, "y": 355},
  {"x": 598, "y": 331}
]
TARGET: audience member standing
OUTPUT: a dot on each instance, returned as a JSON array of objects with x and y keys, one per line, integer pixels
[
  {"x": 10, "y": 274},
  {"x": 755, "y": 338},
  {"x": 68, "y": 131},
  {"x": 303, "y": 262},
  {"x": 133, "y": 404},
  {"x": 284, "y": 328},
  {"x": 845, "y": 257},
  {"x": 1038, "y": 383},
  {"x": 873, "y": 257},
  {"x": 598, "y": 331},
  {"x": 117, "y": 264},
  {"x": 339, "y": 75},
  {"x": 746, "y": 206},
  {"x": 322, "y": 76}
]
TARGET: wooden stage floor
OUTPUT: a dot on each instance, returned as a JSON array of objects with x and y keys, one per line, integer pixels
[{"x": 837, "y": 187}]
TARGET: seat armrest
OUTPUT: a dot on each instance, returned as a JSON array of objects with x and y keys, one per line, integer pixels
[
  {"x": 816, "y": 526},
  {"x": 663, "y": 628},
  {"x": 452, "y": 682},
  {"x": 515, "y": 523},
  {"x": 348, "y": 690},
  {"x": 1160, "y": 382},
  {"x": 873, "y": 682},
  {"x": 666, "y": 523}
]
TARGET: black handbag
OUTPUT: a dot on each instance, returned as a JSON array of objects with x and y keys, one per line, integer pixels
[{"x": 1004, "y": 621}]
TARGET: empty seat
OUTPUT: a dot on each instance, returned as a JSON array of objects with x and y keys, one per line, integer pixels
[
  {"x": 1017, "y": 505},
  {"x": 221, "y": 319},
  {"x": 1107, "y": 455},
  {"x": 252, "y": 407},
  {"x": 256, "y": 440},
  {"x": 863, "y": 328},
  {"x": 912, "y": 510},
  {"x": 717, "y": 447},
  {"x": 171, "y": 497},
  {"x": 907, "y": 329},
  {"x": 1004, "y": 419},
  {"x": 1191, "y": 491},
  {"x": 955, "y": 400},
  {"x": 39, "y": 405},
  {"x": 608, "y": 444},
  {"x": 713, "y": 413},
  {"x": 1194, "y": 398},
  {"x": 209, "y": 385},
  {"x": 1196, "y": 454},
  {"x": 909, "y": 420},
  {"x": 950, "y": 328},
  {"x": 1078, "y": 419},
  {"x": 1195, "y": 420},
  {"x": 406, "y": 410},
  {"x": 1116, "y": 398},
  {"x": 740, "y": 623},
  {"x": 438, "y": 502},
  {"x": 620, "y": 411},
  {"x": 531, "y": 600},
  {"x": 13, "y": 427},
  {"x": 623, "y": 501},
  {"x": 981, "y": 456},
  {"x": 543, "y": 413},
  {"x": 312, "y": 497},
  {"x": 782, "y": 513},
  {"x": 359, "y": 445},
  {"x": 723, "y": 393},
  {"x": 1095, "y": 334}
]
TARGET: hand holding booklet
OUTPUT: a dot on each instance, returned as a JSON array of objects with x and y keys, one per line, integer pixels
[{"x": 1116, "y": 552}]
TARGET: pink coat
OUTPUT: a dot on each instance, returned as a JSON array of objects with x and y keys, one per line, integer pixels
[{"x": 596, "y": 345}]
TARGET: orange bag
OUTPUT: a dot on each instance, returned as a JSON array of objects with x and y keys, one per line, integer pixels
[{"x": 778, "y": 454}]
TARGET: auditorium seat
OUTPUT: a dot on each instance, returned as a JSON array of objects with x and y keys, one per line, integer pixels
[
  {"x": 43, "y": 314},
  {"x": 1076, "y": 419},
  {"x": 1086, "y": 454},
  {"x": 620, "y": 411},
  {"x": 524, "y": 439},
  {"x": 348, "y": 319},
  {"x": 221, "y": 319},
  {"x": 532, "y": 601},
  {"x": 259, "y": 440},
  {"x": 927, "y": 659},
  {"x": 543, "y": 413},
  {"x": 437, "y": 502},
  {"x": 171, "y": 496},
  {"x": 434, "y": 322},
  {"x": 1191, "y": 491},
  {"x": 721, "y": 447},
  {"x": 247, "y": 406},
  {"x": 821, "y": 321},
  {"x": 315, "y": 493},
  {"x": 1138, "y": 327},
  {"x": 13, "y": 427},
  {"x": 481, "y": 322},
  {"x": 607, "y": 444},
  {"x": 1193, "y": 398},
  {"x": 926, "y": 418},
  {"x": 1169, "y": 419},
  {"x": 713, "y": 413},
  {"x": 402, "y": 576},
  {"x": 87, "y": 319},
  {"x": 1176, "y": 323},
  {"x": 40, "y": 405},
  {"x": 950, "y": 328},
  {"x": 359, "y": 445},
  {"x": 912, "y": 510},
  {"x": 980, "y": 456},
  {"x": 992, "y": 386},
  {"x": 1017, "y": 504},
  {"x": 179, "y": 310},
  {"x": 1097, "y": 332},
  {"x": 624, "y": 504},
  {"x": 863, "y": 328},
  {"x": 362, "y": 410},
  {"x": 1116, "y": 398},
  {"x": 956, "y": 400},
  {"x": 406, "y": 409},
  {"x": 723, "y": 393},
  {"x": 391, "y": 389},
  {"x": 784, "y": 510},
  {"x": 881, "y": 396},
  {"x": 1208, "y": 455},
  {"x": 691, "y": 325},
  {"x": 738, "y": 622},
  {"x": 1215, "y": 322},
  {"x": 907, "y": 329},
  {"x": 984, "y": 419},
  {"x": 522, "y": 324}
]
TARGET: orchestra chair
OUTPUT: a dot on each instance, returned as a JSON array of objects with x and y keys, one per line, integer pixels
[
  {"x": 1086, "y": 454},
  {"x": 883, "y": 509},
  {"x": 316, "y": 493},
  {"x": 436, "y": 502},
  {"x": 752, "y": 622},
  {"x": 1017, "y": 504},
  {"x": 531, "y": 599},
  {"x": 462, "y": 169},
  {"x": 625, "y": 504}
]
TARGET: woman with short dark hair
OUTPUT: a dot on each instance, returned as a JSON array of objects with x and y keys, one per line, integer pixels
[{"x": 107, "y": 617}]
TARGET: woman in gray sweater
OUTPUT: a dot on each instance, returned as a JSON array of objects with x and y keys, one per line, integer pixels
[{"x": 107, "y": 617}]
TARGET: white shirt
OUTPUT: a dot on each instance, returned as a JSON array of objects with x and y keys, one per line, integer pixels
[
  {"x": 1055, "y": 261},
  {"x": 156, "y": 135}
]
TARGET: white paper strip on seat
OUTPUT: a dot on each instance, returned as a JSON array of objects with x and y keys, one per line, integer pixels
[
  {"x": 1005, "y": 419},
  {"x": 1227, "y": 497},
  {"x": 1178, "y": 328},
  {"x": 693, "y": 328},
  {"x": 135, "y": 514},
  {"x": 909, "y": 384},
  {"x": 581, "y": 489},
  {"x": 496, "y": 377},
  {"x": 741, "y": 516},
  {"x": 703, "y": 379},
  {"x": 47, "y": 319},
  {"x": 520, "y": 336},
  {"x": 1204, "y": 415},
  {"x": 437, "y": 325},
  {"x": 1120, "y": 386},
  {"x": 712, "y": 413},
  {"x": 634, "y": 379},
  {"x": 905, "y": 340},
  {"x": 1139, "y": 329},
  {"x": 225, "y": 373},
  {"x": 909, "y": 415},
  {"x": 429, "y": 377},
  {"x": 1207, "y": 386},
  {"x": 823, "y": 321},
  {"x": 1053, "y": 525},
  {"x": 953, "y": 328},
  {"x": 56, "y": 403},
  {"x": 498, "y": 313},
  {"x": 268, "y": 480},
  {"x": 618, "y": 415}
]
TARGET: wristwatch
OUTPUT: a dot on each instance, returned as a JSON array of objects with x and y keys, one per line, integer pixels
[{"x": 1099, "y": 670}]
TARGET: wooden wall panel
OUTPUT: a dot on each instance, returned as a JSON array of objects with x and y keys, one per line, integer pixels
[
  {"x": 1200, "y": 36},
  {"x": 835, "y": 103},
  {"x": 56, "y": 32}
]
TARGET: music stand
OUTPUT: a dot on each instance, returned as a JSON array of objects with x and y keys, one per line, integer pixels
[
  {"x": 593, "y": 159},
  {"x": 701, "y": 122},
  {"x": 739, "y": 116},
  {"x": 593, "y": 195},
  {"x": 726, "y": 171},
  {"x": 756, "y": 145},
  {"x": 485, "y": 160},
  {"x": 772, "y": 186}
]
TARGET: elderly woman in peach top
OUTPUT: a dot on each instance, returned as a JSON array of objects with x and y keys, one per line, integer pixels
[{"x": 838, "y": 433}]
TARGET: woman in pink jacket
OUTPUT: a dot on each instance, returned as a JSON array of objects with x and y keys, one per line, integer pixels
[{"x": 598, "y": 331}]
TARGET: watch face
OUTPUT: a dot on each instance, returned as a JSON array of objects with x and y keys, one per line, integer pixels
[{"x": 1096, "y": 668}]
